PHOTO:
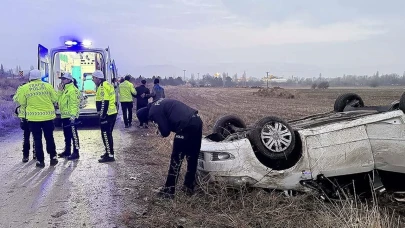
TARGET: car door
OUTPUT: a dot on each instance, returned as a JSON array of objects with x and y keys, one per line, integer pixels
[
  {"x": 43, "y": 63},
  {"x": 109, "y": 66},
  {"x": 336, "y": 150},
  {"x": 387, "y": 139}
]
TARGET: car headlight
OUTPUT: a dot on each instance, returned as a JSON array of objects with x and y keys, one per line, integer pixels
[
  {"x": 238, "y": 181},
  {"x": 221, "y": 156}
]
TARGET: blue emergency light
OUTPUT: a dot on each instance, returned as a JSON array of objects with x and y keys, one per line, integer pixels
[{"x": 84, "y": 43}]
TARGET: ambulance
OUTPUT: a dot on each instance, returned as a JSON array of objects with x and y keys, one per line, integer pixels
[{"x": 80, "y": 59}]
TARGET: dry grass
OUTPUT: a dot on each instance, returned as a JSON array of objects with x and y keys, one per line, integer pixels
[
  {"x": 7, "y": 106},
  {"x": 216, "y": 206}
]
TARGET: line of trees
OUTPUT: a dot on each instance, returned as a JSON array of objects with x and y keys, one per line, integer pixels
[
  {"x": 206, "y": 80},
  {"x": 348, "y": 80},
  {"x": 11, "y": 72},
  {"x": 320, "y": 82},
  {"x": 225, "y": 80}
]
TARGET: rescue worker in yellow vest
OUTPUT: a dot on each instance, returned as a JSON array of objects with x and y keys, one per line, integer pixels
[
  {"x": 105, "y": 103},
  {"x": 20, "y": 112},
  {"x": 39, "y": 98},
  {"x": 69, "y": 105},
  {"x": 126, "y": 92}
]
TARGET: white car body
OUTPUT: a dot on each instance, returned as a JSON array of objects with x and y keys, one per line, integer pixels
[{"x": 333, "y": 144}]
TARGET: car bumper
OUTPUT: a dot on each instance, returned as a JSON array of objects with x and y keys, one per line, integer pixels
[
  {"x": 223, "y": 162},
  {"x": 243, "y": 167}
]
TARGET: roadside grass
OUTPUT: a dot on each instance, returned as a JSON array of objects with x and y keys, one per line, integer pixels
[
  {"x": 217, "y": 205},
  {"x": 7, "y": 106}
]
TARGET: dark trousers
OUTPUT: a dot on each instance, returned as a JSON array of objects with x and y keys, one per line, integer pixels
[
  {"x": 186, "y": 144},
  {"x": 107, "y": 127},
  {"x": 26, "y": 139},
  {"x": 47, "y": 128},
  {"x": 71, "y": 136},
  {"x": 127, "y": 112}
]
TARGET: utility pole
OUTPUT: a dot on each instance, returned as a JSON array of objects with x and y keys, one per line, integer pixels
[
  {"x": 267, "y": 79},
  {"x": 199, "y": 76},
  {"x": 184, "y": 75}
]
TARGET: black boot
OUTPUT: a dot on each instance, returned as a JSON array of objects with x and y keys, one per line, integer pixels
[
  {"x": 53, "y": 161},
  {"x": 65, "y": 153},
  {"x": 25, "y": 159},
  {"x": 188, "y": 191},
  {"x": 104, "y": 155},
  {"x": 107, "y": 158},
  {"x": 165, "y": 194},
  {"x": 40, "y": 164},
  {"x": 74, "y": 156}
]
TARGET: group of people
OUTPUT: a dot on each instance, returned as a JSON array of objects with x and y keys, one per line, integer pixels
[
  {"x": 127, "y": 92},
  {"x": 36, "y": 110}
]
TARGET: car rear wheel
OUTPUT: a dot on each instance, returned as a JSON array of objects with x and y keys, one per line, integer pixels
[
  {"x": 347, "y": 99},
  {"x": 227, "y": 125},
  {"x": 401, "y": 105},
  {"x": 274, "y": 138}
]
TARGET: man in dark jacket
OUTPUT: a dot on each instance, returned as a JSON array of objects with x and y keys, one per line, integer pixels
[
  {"x": 174, "y": 116},
  {"x": 142, "y": 102},
  {"x": 158, "y": 91}
]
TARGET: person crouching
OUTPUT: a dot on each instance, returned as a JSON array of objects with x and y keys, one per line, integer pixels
[{"x": 174, "y": 116}]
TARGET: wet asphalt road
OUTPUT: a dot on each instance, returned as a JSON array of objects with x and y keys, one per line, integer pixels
[{"x": 78, "y": 193}]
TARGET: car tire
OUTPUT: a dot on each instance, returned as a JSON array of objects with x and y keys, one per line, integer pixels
[
  {"x": 351, "y": 99},
  {"x": 225, "y": 125},
  {"x": 274, "y": 138},
  {"x": 401, "y": 105}
]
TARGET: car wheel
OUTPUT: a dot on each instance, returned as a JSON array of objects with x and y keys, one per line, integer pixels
[
  {"x": 401, "y": 105},
  {"x": 395, "y": 105},
  {"x": 347, "y": 99},
  {"x": 227, "y": 125},
  {"x": 273, "y": 137}
]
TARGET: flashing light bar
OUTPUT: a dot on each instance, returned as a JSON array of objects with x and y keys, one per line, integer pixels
[
  {"x": 70, "y": 43},
  {"x": 85, "y": 43}
]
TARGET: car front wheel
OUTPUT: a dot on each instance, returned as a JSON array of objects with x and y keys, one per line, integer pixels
[{"x": 273, "y": 137}]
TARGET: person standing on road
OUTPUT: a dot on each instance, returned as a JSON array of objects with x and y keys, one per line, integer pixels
[
  {"x": 157, "y": 91},
  {"x": 142, "y": 102},
  {"x": 174, "y": 116},
  {"x": 105, "y": 103},
  {"x": 69, "y": 105},
  {"x": 39, "y": 98},
  {"x": 127, "y": 92},
  {"x": 20, "y": 112}
]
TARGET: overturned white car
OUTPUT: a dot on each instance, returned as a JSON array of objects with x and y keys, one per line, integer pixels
[{"x": 327, "y": 152}]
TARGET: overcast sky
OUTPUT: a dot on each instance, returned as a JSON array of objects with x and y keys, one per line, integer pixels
[{"x": 294, "y": 37}]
